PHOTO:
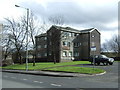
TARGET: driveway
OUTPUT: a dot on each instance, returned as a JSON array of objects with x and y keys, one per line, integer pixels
[{"x": 111, "y": 74}]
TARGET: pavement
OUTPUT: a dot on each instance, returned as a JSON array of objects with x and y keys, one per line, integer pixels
[{"x": 49, "y": 73}]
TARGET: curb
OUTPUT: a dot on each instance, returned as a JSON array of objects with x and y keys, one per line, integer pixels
[
  {"x": 42, "y": 74},
  {"x": 55, "y": 74},
  {"x": 101, "y": 73}
]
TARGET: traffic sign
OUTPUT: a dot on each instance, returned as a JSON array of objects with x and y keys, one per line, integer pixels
[{"x": 93, "y": 48}]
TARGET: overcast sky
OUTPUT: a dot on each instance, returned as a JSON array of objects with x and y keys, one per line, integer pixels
[{"x": 79, "y": 14}]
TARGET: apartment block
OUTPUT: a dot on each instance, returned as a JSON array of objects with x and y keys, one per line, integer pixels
[{"x": 62, "y": 44}]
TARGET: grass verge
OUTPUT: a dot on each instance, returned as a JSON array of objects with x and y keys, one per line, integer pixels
[
  {"x": 64, "y": 67},
  {"x": 43, "y": 65},
  {"x": 73, "y": 69}
]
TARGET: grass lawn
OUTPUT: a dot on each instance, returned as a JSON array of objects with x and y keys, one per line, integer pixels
[
  {"x": 83, "y": 70},
  {"x": 44, "y": 65}
]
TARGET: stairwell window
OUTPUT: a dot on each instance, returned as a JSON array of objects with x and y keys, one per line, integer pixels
[
  {"x": 77, "y": 44},
  {"x": 76, "y": 53}
]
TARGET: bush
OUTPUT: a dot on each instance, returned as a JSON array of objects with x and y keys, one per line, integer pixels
[{"x": 7, "y": 62}]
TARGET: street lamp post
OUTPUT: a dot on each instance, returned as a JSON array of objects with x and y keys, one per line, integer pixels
[
  {"x": 93, "y": 49},
  {"x": 27, "y": 36}
]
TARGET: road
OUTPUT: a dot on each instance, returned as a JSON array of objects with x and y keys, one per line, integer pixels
[{"x": 108, "y": 80}]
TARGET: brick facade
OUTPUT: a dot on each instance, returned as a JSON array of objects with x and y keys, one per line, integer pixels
[{"x": 67, "y": 44}]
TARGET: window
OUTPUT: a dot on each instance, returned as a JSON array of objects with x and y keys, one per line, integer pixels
[
  {"x": 50, "y": 53},
  {"x": 45, "y": 46},
  {"x": 39, "y": 46},
  {"x": 76, "y": 53},
  {"x": 39, "y": 55},
  {"x": 70, "y": 54},
  {"x": 45, "y": 38},
  {"x": 76, "y": 34},
  {"x": 68, "y": 44},
  {"x": 70, "y": 34},
  {"x": 45, "y": 54},
  {"x": 65, "y": 34},
  {"x": 64, "y": 43},
  {"x": 50, "y": 43},
  {"x": 77, "y": 44},
  {"x": 64, "y": 53}
]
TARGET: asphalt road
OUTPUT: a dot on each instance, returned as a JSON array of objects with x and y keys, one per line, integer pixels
[{"x": 108, "y": 80}]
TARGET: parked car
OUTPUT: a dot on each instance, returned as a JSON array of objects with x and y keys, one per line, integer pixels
[{"x": 97, "y": 59}]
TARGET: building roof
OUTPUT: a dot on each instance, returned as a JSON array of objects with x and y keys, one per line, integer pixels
[
  {"x": 69, "y": 29},
  {"x": 66, "y": 28},
  {"x": 89, "y": 30},
  {"x": 86, "y": 30},
  {"x": 42, "y": 35},
  {"x": 75, "y": 30}
]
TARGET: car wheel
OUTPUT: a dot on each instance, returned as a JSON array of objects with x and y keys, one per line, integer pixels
[
  {"x": 105, "y": 63},
  {"x": 98, "y": 63},
  {"x": 110, "y": 63}
]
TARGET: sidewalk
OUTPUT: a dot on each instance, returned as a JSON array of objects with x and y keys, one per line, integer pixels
[{"x": 49, "y": 73}]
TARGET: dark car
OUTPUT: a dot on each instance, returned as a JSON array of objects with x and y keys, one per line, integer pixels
[{"x": 97, "y": 59}]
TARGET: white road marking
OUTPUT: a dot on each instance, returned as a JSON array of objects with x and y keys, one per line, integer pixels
[
  {"x": 40, "y": 82},
  {"x": 55, "y": 85},
  {"x": 35, "y": 81},
  {"x": 13, "y": 77},
  {"x": 24, "y": 79}
]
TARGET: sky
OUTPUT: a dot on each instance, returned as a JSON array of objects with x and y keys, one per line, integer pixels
[{"x": 78, "y": 14}]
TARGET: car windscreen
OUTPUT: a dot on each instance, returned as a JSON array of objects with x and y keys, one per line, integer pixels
[{"x": 103, "y": 56}]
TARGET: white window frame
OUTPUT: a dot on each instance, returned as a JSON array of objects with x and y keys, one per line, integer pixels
[
  {"x": 70, "y": 54},
  {"x": 64, "y": 43},
  {"x": 64, "y": 54}
]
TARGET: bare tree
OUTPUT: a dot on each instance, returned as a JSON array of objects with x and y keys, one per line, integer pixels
[
  {"x": 113, "y": 45},
  {"x": 6, "y": 48},
  {"x": 57, "y": 19},
  {"x": 35, "y": 28},
  {"x": 16, "y": 33}
]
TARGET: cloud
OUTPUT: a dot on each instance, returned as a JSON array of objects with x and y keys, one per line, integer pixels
[
  {"x": 92, "y": 14},
  {"x": 84, "y": 13}
]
